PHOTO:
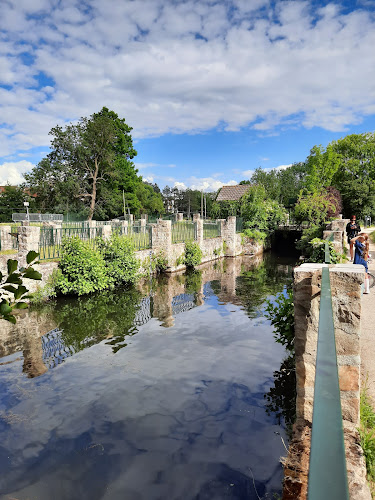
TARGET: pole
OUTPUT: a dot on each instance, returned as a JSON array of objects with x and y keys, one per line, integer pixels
[
  {"x": 202, "y": 204},
  {"x": 205, "y": 206},
  {"x": 123, "y": 199}
]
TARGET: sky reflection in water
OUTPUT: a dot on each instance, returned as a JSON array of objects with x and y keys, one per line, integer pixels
[{"x": 177, "y": 414}]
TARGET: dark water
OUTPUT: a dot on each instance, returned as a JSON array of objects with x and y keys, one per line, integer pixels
[{"x": 175, "y": 390}]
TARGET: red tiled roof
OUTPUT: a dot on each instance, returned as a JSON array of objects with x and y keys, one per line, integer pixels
[{"x": 232, "y": 193}]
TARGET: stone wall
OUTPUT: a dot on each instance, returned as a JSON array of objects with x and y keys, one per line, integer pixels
[{"x": 346, "y": 280}]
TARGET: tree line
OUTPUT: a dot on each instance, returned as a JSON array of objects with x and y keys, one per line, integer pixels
[{"x": 89, "y": 171}]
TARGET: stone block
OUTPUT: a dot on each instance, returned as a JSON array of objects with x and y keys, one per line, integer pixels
[{"x": 349, "y": 378}]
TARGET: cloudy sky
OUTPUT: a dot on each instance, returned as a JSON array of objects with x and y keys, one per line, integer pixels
[{"x": 212, "y": 89}]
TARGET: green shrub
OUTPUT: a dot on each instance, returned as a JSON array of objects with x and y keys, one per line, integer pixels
[
  {"x": 121, "y": 264},
  {"x": 255, "y": 234},
  {"x": 83, "y": 268},
  {"x": 281, "y": 315},
  {"x": 193, "y": 254},
  {"x": 49, "y": 290},
  {"x": 303, "y": 245},
  {"x": 318, "y": 251},
  {"x": 159, "y": 262},
  {"x": 367, "y": 433}
]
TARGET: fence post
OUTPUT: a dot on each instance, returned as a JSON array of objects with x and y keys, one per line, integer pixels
[
  {"x": 125, "y": 227},
  {"x": 229, "y": 235},
  {"x": 145, "y": 218},
  {"x": 162, "y": 238},
  {"x": 106, "y": 232},
  {"x": 199, "y": 225},
  {"x": 179, "y": 217},
  {"x": 28, "y": 239}
]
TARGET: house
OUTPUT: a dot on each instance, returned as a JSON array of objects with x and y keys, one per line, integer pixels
[{"x": 233, "y": 193}]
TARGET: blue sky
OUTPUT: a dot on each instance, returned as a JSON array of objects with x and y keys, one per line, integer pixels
[{"x": 212, "y": 88}]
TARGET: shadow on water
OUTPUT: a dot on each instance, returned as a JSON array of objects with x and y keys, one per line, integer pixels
[{"x": 177, "y": 414}]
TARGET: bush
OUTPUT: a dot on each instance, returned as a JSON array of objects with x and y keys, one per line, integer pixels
[
  {"x": 318, "y": 251},
  {"x": 254, "y": 234},
  {"x": 303, "y": 245},
  {"x": 83, "y": 268},
  {"x": 193, "y": 254},
  {"x": 159, "y": 262},
  {"x": 121, "y": 264}
]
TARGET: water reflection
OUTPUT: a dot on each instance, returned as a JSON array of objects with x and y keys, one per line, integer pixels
[{"x": 177, "y": 414}]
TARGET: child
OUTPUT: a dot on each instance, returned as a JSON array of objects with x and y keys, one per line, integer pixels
[{"x": 361, "y": 245}]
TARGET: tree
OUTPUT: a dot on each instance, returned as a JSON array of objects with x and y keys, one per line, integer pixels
[
  {"x": 321, "y": 166},
  {"x": 356, "y": 176},
  {"x": 84, "y": 157},
  {"x": 11, "y": 201}
]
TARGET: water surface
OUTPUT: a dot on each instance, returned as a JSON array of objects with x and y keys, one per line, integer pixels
[{"x": 168, "y": 391}]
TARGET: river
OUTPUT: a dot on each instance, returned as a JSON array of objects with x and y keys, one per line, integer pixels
[{"x": 175, "y": 389}]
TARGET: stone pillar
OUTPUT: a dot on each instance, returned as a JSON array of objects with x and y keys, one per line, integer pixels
[
  {"x": 337, "y": 239},
  {"x": 28, "y": 239},
  {"x": 124, "y": 227},
  {"x": 199, "y": 228},
  {"x": 6, "y": 238},
  {"x": 106, "y": 232},
  {"x": 229, "y": 236},
  {"x": 143, "y": 225},
  {"x": 131, "y": 219},
  {"x": 162, "y": 239},
  {"x": 179, "y": 217},
  {"x": 346, "y": 280},
  {"x": 144, "y": 217}
]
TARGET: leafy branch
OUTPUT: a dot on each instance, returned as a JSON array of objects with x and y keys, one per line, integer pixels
[{"x": 11, "y": 284}]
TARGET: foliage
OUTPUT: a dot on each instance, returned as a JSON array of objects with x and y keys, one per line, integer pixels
[
  {"x": 11, "y": 201},
  {"x": 89, "y": 170},
  {"x": 12, "y": 284},
  {"x": 193, "y": 254},
  {"x": 188, "y": 201},
  {"x": 356, "y": 176},
  {"x": 281, "y": 315},
  {"x": 367, "y": 433},
  {"x": 317, "y": 253},
  {"x": 334, "y": 196},
  {"x": 254, "y": 234},
  {"x": 121, "y": 263},
  {"x": 321, "y": 166},
  {"x": 260, "y": 212},
  {"x": 303, "y": 245},
  {"x": 313, "y": 207},
  {"x": 217, "y": 251},
  {"x": 372, "y": 236},
  {"x": 159, "y": 262},
  {"x": 83, "y": 268},
  {"x": 49, "y": 290}
]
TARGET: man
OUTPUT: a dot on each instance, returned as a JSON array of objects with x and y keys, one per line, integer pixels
[{"x": 352, "y": 230}]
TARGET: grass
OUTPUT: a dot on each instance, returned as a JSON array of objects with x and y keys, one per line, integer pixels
[
  {"x": 372, "y": 236},
  {"x": 8, "y": 252},
  {"x": 367, "y": 436}
]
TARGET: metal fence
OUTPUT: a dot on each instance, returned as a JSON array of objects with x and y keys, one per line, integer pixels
[
  {"x": 327, "y": 470},
  {"x": 183, "y": 231},
  {"x": 140, "y": 236},
  {"x": 21, "y": 217},
  {"x": 211, "y": 230},
  {"x": 51, "y": 239}
]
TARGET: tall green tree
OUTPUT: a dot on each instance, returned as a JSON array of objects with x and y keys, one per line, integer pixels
[
  {"x": 11, "y": 201},
  {"x": 84, "y": 157}
]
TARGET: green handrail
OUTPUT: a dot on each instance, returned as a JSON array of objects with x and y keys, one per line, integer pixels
[{"x": 327, "y": 470}]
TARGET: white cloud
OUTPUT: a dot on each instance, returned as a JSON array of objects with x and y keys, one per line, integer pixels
[
  {"x": 11, "y": 172},
  {"x": 180, "y": 185},
  {"x": 282, "y": 167},
  {"x": 208, "y": 184},
  {"x": 183, "y": 67}
]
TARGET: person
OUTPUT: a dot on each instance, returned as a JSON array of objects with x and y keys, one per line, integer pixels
[
  {"x": 352, "y": 230},
  {"x": 361, "y": 245}
]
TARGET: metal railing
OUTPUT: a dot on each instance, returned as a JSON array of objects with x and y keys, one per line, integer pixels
[
  {"x": 50, "y": 240},
  {"x": 211, "y": 230},
  {"x": 327, "y": 469},
  {"x": 20, "y": 217},
  {"x": 183, "y": 231}
]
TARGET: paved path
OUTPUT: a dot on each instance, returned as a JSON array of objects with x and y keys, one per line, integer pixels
[{"x": 368, "y": 331}]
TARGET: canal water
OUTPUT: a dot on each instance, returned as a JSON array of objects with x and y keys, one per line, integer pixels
[{"x": 175, "y": 389}]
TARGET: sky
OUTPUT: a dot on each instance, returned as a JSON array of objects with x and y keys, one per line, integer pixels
[{"x": 212, "y": 89}]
